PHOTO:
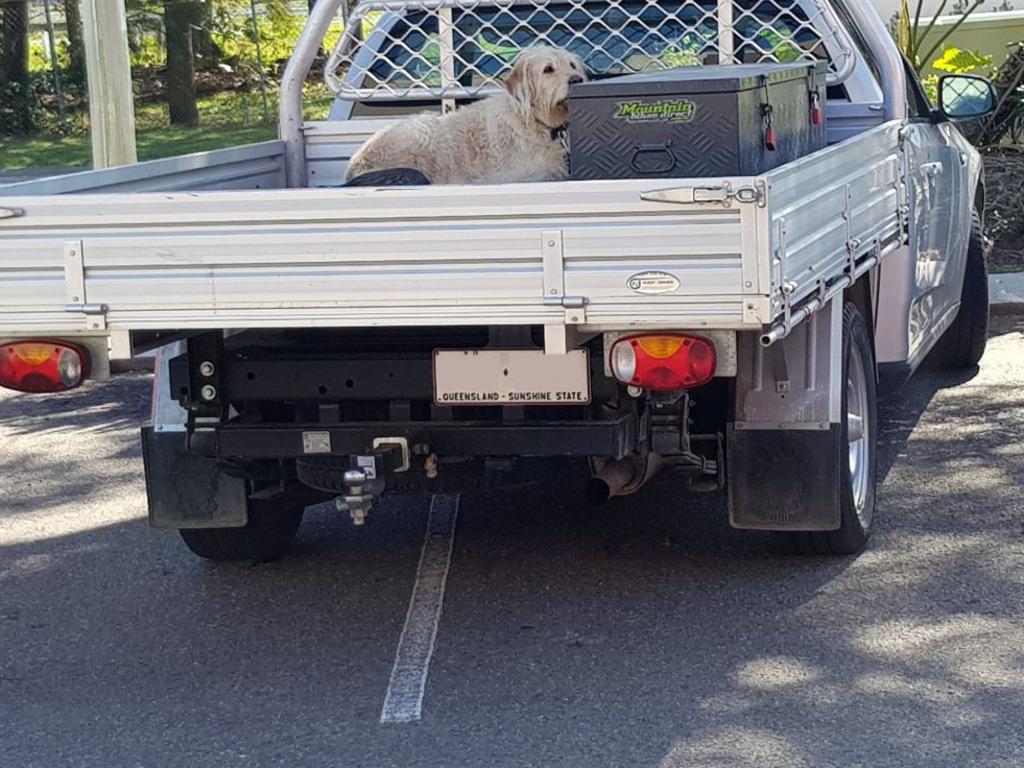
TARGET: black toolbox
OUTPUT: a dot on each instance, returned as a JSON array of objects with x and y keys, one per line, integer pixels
[{"x": 729, "y": 120}]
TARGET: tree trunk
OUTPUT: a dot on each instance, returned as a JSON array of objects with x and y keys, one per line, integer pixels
[
  {"x": 179, "y": 16},
  {"x": 15, "y": 86},
  {"x": 206, "y": 51},
  {"x": 76, "y": 45}
]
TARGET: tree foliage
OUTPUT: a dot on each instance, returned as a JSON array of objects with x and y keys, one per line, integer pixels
[
  {"x": 174, "y": 46},
  {"x": 912, "y": 31},
  {"x": 277, "y": 28},
  {"x": 956, "y": 61},
  {"x": 960, "y": 61}
]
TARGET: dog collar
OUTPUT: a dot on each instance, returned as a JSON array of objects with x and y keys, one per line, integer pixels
[{"x": 560, "y": 135}]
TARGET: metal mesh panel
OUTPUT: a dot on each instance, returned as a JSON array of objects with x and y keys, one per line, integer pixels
[{"x": 394, "y": 49}]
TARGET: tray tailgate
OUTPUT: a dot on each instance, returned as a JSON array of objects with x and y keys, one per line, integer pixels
[{"x": 437, "y": 255}]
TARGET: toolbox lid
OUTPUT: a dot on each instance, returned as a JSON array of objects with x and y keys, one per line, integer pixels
[{"x": 723, "y": 78}]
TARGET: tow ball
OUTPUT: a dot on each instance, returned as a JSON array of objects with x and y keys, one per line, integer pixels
[
  {"x": 364, "y": 483},
  {"x": 358, "y": 498}
]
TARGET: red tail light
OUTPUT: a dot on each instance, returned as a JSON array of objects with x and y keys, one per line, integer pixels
[
  {"x": 41, "y": 366},
  {"x": 663, "y": 361}
]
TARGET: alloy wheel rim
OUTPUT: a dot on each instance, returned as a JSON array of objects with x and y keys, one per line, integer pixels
[{"x": 858, "y": 436}]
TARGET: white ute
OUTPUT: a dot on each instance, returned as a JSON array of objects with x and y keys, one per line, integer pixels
[{"x": 320, "y": 342}]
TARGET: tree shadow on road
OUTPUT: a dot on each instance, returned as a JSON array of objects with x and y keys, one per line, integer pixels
[
  {"x": 646, "y": 634},
  {"x": 120, "y": 404},
  {"x": 58, "y": 449}
]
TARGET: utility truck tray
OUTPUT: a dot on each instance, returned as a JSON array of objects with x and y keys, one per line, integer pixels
[{"x": 726, "y": 252}]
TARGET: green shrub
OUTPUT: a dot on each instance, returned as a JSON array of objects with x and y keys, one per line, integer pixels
[{"x": 956, "y": 61}]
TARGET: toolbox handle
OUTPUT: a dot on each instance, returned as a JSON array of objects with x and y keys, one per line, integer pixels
[{"x": 661, "y": 148}]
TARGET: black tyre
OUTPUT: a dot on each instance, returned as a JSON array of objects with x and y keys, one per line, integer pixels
[
  {"x": 859, "y": 427},
  {"x": 268, "y": 534},
  {"x": 963, "y": 343}
]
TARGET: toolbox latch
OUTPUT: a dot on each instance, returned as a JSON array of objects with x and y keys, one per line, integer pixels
[{"x": 721, "y": 194}]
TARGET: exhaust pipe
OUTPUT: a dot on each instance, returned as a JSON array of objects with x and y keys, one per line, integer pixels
[
  {"x": 620, "y": 478},
  {"x": 613, "y": 477}
]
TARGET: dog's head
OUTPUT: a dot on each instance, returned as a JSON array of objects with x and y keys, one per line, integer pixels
[{"x": 539, "y": 84}]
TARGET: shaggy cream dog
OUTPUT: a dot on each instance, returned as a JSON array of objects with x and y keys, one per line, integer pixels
[{"x": 507, "y": 137}]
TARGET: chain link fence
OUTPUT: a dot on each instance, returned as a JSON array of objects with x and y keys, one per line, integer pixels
[{"x": 205, "y": 74}]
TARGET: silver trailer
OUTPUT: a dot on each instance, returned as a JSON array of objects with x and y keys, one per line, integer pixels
[{"x": 320, "y": 341}]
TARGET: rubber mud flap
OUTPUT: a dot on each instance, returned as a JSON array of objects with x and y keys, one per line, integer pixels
[
  {"x": 785, "y": 480},
  {"x": 189, "y": 491}
]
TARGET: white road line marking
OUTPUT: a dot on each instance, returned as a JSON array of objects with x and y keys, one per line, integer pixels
[{"x": 403, "y": 702}]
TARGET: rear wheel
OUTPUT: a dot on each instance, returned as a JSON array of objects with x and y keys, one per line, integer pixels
[
  {"x": 858, "y": 431},
  {"x": 268, "y": 534},
  {"x": 963, "y": 343}
]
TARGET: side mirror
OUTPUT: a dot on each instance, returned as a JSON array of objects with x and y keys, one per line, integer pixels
[{"x": 962, "y": 97}]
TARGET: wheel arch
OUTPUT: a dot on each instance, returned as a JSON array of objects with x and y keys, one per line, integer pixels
[
  {"x": 979, "y": 197},
  {"x": 861, "y": 295}
]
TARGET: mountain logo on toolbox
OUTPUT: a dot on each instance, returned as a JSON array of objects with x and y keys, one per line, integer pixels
[
  {"x": 650, "y": 283},
  {"x": 665, "y": 111}
]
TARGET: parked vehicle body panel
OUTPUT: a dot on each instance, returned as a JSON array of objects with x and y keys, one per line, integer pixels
[{"x": 306, "y": 318}]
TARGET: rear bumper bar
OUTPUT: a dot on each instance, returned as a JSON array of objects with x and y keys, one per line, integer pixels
[{"x": 616, "y": 436}]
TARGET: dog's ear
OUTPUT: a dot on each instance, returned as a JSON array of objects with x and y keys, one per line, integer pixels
[
  {"x": 518, "y": 85},
  {"x": 515, "y": 76}
]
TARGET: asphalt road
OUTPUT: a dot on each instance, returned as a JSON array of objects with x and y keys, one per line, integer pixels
[{"x": 648, "y": 634}]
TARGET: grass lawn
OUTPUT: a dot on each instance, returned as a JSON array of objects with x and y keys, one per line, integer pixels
[
  {"x": 153, "y": 143},
  {"x": 227, "y": 119}
]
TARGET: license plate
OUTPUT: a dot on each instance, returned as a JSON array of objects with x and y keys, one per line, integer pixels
[{"x": 510, "y": 377}]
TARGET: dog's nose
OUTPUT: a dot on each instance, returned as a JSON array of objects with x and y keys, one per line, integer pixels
[{"x": 575, "y": 79}]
